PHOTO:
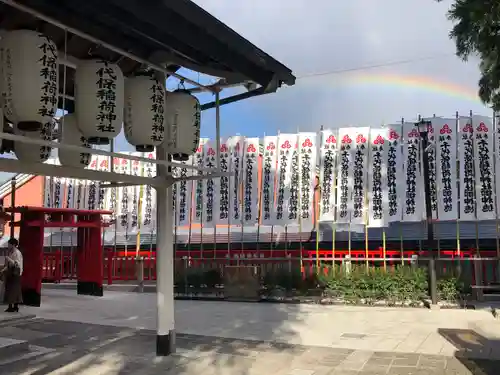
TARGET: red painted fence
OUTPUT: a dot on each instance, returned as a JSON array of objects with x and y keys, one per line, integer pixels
[{"x": 59, "y": 266}]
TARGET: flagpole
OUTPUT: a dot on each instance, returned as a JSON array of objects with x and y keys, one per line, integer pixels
[
  {"x": 316, "y": 193},
  {"x": 496, "y": 153},
  {"x": 400, "y": 224},
  {"x": 365, "y": 191},
  {"x": 139, "y": 215},
  {"x": 461, "y": 199},
  {"x": 241, "y": 183},
  {"x": 259, "y": 195},
  {"x": 335, "y": 208},
  {"x": 476, "y": 221}
]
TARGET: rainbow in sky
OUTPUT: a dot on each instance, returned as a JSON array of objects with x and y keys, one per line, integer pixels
[{"x": 417, "y": 82}]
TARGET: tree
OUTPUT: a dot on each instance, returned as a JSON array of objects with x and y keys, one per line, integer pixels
[{"x": 476, "y": 31}]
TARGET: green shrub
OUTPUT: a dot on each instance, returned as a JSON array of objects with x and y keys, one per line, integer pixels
[
  {"x": 372, "y": 284},
  {"x": 449, "y": 288},
  {"x": 212, "y": 277}
]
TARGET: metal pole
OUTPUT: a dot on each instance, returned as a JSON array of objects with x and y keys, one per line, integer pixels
[
  {"x": 165, "y": 335},
  {"x": 428, "y": 211}
]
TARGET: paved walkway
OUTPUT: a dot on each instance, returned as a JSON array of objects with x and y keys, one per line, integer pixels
[{"x": 115, "y": 335}]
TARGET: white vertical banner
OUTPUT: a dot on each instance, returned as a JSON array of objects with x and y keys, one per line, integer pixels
[
  {"x": 221, "y": 187},
  {"x": 286, "y": 146},
  {"x": 466, "y": 171},
  {"x": 103, "y": 166},
  {"x": 446, "y": 160},
  {"x": 251, "y": 181},
  {"x": 70, "y": 193},
  {"x": 269, "y": 161},
  {"x": 92, "y": 187},
  {"x": 235, "y": 145},
  {"x": 497, "y": 165},
  {"x": 483, "y": 149},
  {"x": 148, "y": 214},
  {"x": 135, "y": 170},
  {"x": 209, "y": 151},
  {"x": 48, "y": 194},
  {"x": 345, "y": 175},
  {"x": 327, "y": 174},
  {"x": 431, "y": 157},
  {"x": 114, "y": 193},
  {"x": 80, "y": 199},
  {"x": 199, "y": 186},
  {"x": 395, "y": 175},
  {"x": 58, "y": 189},
  {"x": 308, "y": 147},
  {"x": 360, "y": 159},
  {"x": 414, "y": 196},
  {"x": 184, "y": 195},
  {"x": 378, "y": 197},
  {"x": 175, "y": 192},
  {"x": 124, "y": 201}
]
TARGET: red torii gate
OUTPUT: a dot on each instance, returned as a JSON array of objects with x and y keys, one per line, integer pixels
[{"x": 32, "y": 226}]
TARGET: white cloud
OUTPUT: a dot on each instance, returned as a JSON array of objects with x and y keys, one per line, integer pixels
[{"x": 324, "y": 35}]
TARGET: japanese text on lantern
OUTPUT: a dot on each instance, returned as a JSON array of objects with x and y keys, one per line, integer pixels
[
  {"x": 469, "y": 199},
  {"x": 486, "y": 188},
  {"x": 328, "y": 169},
  {"x": 305, "y": 182},
  {"x": 250, "y": 165},
  {"x": 48, "y": 70},
  {"x": 157, "y": 110},
  {"x": 359, "y": 161},
  {"x": 411, "y": 172},
  {"x": 106, "y": 94},
  {"x": 345, "y": 148},
  {"x": 377, "y": 151},
  {"x": 46, "y": 135}
]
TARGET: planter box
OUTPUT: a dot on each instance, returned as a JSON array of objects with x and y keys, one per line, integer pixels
[{"x": 242, "y": 283}]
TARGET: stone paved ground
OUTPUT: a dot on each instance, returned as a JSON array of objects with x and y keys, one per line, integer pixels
[{"x": 89, "y": 349}]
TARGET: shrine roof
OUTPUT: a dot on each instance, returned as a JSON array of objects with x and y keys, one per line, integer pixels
[{"x": 181, "y": 31}]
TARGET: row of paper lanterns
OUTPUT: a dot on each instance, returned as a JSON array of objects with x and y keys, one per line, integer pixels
[{"x": 104, "y": 102}]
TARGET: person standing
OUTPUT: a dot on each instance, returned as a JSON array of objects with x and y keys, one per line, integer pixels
[{"x": 12, "y": 271}]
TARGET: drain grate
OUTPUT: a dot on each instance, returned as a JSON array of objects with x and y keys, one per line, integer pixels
[{"x": 353, "y": 336}]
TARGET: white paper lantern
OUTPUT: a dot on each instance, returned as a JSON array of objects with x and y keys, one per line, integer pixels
[
  {"x": 144, "y": 113},
  {"x": 99, "y": 97},
  {"x": 69, "y": 134},
  {"x": 30, "y": 79},
  {"x": 183, "y": 114},
  {"x": 32, "y": 153}
]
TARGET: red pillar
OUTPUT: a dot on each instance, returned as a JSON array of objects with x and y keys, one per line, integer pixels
[
  {"x": 90, "y": 257},
  {"x": 31, "y": 245}
]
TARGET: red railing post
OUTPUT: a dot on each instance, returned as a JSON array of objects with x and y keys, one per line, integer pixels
[
  {"x": 110, "y": 266},
  {"x": 57, "y": 273}
]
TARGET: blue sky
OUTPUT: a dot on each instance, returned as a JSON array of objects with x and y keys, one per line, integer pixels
[{"x": 325, "y": 36}]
